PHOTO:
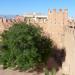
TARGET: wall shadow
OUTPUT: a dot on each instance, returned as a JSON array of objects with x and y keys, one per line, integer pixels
[
  {"x": 58, "y": 57},
  {"x": 54, "y": 61}
]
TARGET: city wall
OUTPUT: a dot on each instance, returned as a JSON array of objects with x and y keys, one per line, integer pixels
[{"x": 59, "y": 28}]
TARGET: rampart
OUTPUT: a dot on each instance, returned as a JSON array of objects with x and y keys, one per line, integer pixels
[{"x": 59, "y": 27}]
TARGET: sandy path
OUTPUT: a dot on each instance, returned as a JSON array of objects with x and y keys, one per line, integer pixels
[{"x": 11, "y": 72}]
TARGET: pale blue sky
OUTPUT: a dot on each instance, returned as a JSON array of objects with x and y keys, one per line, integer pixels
[{"x": 22, "y": 6}]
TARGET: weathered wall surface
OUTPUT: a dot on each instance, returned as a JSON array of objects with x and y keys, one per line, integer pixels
[
  {"x": 62, "y": 31},
  {"x": 69, "y": 44},
  {"x": 55, "y": 25}
]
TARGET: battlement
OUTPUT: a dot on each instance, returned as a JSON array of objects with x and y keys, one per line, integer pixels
[
  {"x": 60, "y": 10},
  {"x": 58, "y": 17}
]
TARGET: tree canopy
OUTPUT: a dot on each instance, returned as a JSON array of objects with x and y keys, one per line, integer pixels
[{"x": 24, "y": 46}]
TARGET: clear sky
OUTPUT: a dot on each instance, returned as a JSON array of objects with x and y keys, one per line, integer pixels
[{"x": 22, "y": 6}]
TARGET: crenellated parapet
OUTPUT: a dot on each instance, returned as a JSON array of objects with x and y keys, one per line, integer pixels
[
  {"x": 59, "y": 17},
  {"x": 6, "y": 23}
]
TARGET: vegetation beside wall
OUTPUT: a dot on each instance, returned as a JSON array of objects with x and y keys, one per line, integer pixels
[{"x": 24, "y": 47}]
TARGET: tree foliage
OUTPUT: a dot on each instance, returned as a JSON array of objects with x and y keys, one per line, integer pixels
[{"x": 24, "y": 46}]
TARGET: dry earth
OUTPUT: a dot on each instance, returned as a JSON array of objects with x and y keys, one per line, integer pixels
[{"x": 12, "y": 72}]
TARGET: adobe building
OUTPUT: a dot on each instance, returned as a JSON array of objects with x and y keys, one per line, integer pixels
[{"x": 35, "y": 17}]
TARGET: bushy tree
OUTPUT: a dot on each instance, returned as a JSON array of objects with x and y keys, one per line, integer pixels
[{"x": 24, "y": 46}]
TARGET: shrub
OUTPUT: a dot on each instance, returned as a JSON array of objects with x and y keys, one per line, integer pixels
[
  {"x": 48, "y": 72},
  {"x": 24, "y": 46}
]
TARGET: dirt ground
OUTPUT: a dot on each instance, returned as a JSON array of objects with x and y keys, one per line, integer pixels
[
  {"x": 12, "y": 72},
  {"x": 17, "y": 72}
]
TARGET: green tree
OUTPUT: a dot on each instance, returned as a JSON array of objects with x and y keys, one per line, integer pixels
[{"x": 24, "y": 46}]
